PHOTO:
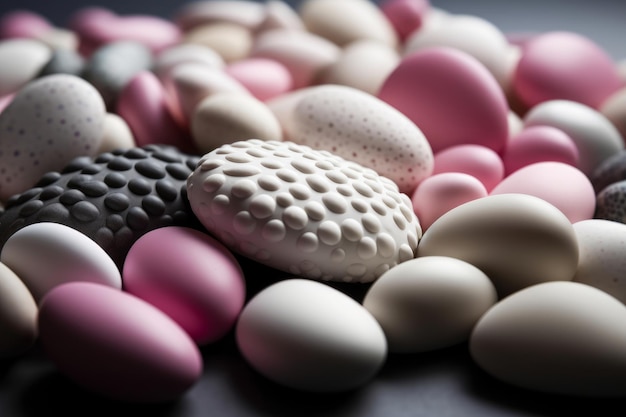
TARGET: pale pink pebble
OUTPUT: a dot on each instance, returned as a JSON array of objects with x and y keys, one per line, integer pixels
[
  {"x": 190, "y": 276},
  {"x": 566, "y": 66},
  {"x": 440, "y": 193},
  {"x": 23, "y": 24},
  {"x": 478, "y": 161},
  {"x": 264, "y": 78},
  {"x": 562, "y": 185},
  {"x": 97, "y": 26},
  {"x": 406, "y": 16},
  {"x": 451, "y": 97},
  {"x": 539, "y": 144},
  {"x": 5, "y": 101},
  {"x": 143, "y": 104}
]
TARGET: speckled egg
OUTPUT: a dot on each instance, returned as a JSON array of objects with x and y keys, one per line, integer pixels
[
  {"x": 610, "y": 171},
  {"x": 362, "y": 128},
  {"x": 113, "y": 199},
  {"x": 611, "y": 202},
  {"x": 304, "y": 211},
  {"x": 49, "y": 122}
]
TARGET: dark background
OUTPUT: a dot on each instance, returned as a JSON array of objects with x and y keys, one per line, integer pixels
[{"x": 445, "y": 383}]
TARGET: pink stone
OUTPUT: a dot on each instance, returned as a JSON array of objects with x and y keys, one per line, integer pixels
[
  {"x": 478, "y": 161},
  {"x": 264, "y": 78},
  {"x": 406, "y": 16}
]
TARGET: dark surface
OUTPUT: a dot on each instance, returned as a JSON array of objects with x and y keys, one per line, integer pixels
[{"x": 443, "y": 383}]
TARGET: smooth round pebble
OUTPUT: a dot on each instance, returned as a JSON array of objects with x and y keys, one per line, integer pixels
[
  {"x": 27, "y": 58},
  {"x": 190, "y": 276},
  {"x": 117, "y": 345},
  {"x": 601, "y": 262},
  {"x": 439, "y": 84},
  {"x": 305, "y": 54},
  {"x": 562, "y": 185},
  {"x": 168, "y": 59},
  {"x": 45, "y": 255},
  {"x": 18, "y": 315},
  {"x": 539, "y": 144},
  {"x": 278, "y": 14},
  {"x": 117, "y": 134},
  {"x": 263, "y": 78},
  {"x": 245, "y": 13},
  {"x": 594, "y": 135},
  {"x": 442, "y": 192},
  {"x": 303, "y": 211},
  {"x": 285, "y": 335},
  {"x": 406, "y": 16},
  {"x": 144, "y": 104},
  {"x": 113, "y": 198},
  {"x": 379, "y": 59},
  {"x": 231, "y": 41},
  {"x": 518, "y": 240},
  {"x": 362, "y": 128},
  {"x": 64, "y": 61},
  {"x": 563, "y": 65},
  {"x": 112, "y": 66},
  {"x": 429, "y": 303},
  {"x": 48, "y": 123},
  {"x": 346, "y": 21},
  {"x": 555, "y": 337},
  {"x": 478, "y": 161}
]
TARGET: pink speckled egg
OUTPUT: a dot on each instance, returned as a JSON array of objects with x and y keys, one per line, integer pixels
[
  {"x": 562, "y": 185},
  {"x": 440, "y": 193},
  {"x": 190, "y": 276},
  {"x": 48, "y": 123},
  {"x": 438, "y": 85},
  {"x": 264, "y": 78},
  {"x": 116, "y": 344},
  {"x": 478, "y": 161},
  {"x": 539, "y": 144},
  {"x": 566, "y": 66},
  {"x": 143, "y": 104}
]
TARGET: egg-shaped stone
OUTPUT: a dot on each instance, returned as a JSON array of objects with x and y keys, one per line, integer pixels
[
  {"x": 601, "y": 262},
  {"x": 516, "y": 239},
  {"x": 190, "y": 276},
  {"x": 18, "y": 315},
  {"x": 610, "y": 171},
  {"x": 429, "y": 303},
  {"x": 362, "y": 128},
  {"x": 610, "y": 202},
  {"x": 26, "y": 57},
  {"x": 307, "y": 212},
  {"x": 45, "y": 255},
  {"x": 478, "y": 161},
  {"x": 555, "y": 337},
  {"x": 48, "y": 123},
  {"x": 117, "y": 345},
  {"x": 309, "y": 336}
]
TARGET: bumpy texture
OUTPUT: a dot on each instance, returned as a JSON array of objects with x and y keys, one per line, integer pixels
[
  {"x": 611, "y": 202},
  {"x": 307, "y": 212},
  {"x": 114, "y": 199}
]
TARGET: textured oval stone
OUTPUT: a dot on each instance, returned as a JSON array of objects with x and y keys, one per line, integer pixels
[
  {"x": 359, "y": 127},
  {"x": 126, "y": 194},
  {"x": 327, "y": 241}
]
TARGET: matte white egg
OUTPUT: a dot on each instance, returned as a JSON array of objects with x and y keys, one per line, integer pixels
[
  {"x": 309, "y": 336},
  {"x": 556, "y": 337},
  {"x": 47, "y": 254},
  {"x": 429, "y": 303}
]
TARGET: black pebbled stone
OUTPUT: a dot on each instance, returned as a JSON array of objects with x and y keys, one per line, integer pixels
[{"x": 113, "y": 198}]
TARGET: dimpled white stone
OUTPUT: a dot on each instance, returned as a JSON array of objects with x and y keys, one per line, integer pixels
[{"x": 304, "y": 211}]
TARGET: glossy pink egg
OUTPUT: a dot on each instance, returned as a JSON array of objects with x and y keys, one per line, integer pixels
[
  {"x": 116, "y": 344},
  {"x": 564, "y": 186},
  {"x": 539, "y": 144},
  {"x": 567, "y": 66},
  {"x": 264, "y": 78},
  {"x": 190, "y": 276},
  {"x": 143, "y": 104},
  {"x": 478, "y": 161},
  {"x": 451, "y": 97},
  {"x": 406, "y": 16},
  {"x": 440, "y": 193}
]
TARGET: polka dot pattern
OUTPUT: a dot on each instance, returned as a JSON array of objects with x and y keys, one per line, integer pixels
[
  {"x": 303, "y": 211},
  {"x": 361, "y": 128},
  {"x": 114, "y": 199}
]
